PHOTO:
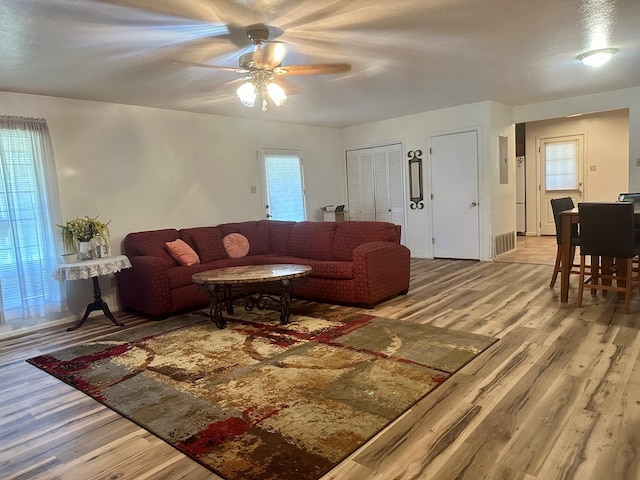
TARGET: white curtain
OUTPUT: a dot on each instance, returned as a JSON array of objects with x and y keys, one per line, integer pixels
[{"x": 29, "y": 215}]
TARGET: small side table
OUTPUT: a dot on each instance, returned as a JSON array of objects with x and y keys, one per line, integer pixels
[{"x": 93, "y": 269}]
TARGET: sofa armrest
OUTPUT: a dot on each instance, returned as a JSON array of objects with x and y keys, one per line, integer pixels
[
  {"x": 145, "y": 286},
  {"x": 381, "y": 270}
]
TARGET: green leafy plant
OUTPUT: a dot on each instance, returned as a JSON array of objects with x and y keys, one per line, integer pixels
[{"x": 83, "y": 230}]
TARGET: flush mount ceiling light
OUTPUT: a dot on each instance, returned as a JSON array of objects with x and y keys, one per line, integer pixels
[{"x": 597, "y": 58}]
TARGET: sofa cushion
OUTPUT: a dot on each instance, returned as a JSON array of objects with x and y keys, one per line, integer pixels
[
  {"x": 256, "y": 232},
  {"x": 236, "y": 245},
  {"x": 151, "y": 243},
  {"x": 279, "y": 231},
  {"x": 350, "y": 235},
  {"x": 329, "y": 269},
  {"x": 311, "y": 240},
  {"x": 206, "y": 241},
  {"x": 180, "y": 276},
  {"x": 182, "y": 253}
]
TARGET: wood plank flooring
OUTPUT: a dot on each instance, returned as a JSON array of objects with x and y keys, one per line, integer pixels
[{"x": 558, "y": 397}]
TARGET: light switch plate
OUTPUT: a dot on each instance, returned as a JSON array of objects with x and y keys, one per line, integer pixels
[{"x": 593, "y": 168}]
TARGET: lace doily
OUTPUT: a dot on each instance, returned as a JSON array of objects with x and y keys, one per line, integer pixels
[{"x": 91, "y": 268}]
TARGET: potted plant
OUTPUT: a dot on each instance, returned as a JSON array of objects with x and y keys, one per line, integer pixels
[{"x": 77, "y": 236}]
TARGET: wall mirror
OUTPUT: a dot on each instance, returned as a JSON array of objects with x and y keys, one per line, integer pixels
[{"x": 415, "y": 180}]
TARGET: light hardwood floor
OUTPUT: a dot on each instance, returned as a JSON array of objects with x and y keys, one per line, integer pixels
[{"x": 558, "y": 397}]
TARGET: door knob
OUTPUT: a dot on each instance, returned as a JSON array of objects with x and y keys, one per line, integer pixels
[{"x": 474, "y": 204}]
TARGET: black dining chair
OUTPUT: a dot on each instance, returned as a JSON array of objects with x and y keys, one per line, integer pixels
[
  {"x": 607, "y": 231},
  {"x": 633, "y": 198},
  {"x": 559, "y": 205},
  {"x": 629, "y": 197}
]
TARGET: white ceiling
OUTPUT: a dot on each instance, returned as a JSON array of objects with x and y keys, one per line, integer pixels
[{"x": 407, "y": 56}]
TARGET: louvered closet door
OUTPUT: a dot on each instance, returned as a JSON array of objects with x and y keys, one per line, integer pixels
[
  {"x": 389, "y": 190},
  {"x": 360, "y": 185},
  {"x": 375, "y": 184}
]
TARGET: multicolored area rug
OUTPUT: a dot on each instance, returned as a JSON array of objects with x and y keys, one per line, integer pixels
[{"x": 263, "y": 401}]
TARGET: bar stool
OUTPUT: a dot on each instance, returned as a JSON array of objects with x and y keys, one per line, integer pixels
[
  {"x": 560, "y": 205},
  {"x": 607, "y": 230}
]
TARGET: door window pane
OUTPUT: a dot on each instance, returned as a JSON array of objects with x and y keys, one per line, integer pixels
[
  {"x": 561, "y": 165},
  {"x": 285, "y": 192}
]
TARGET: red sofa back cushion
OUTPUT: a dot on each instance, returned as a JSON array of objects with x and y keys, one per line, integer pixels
[
  {"x": 206, "y": 241},
  {"x": 279, "y": 231},
  {"x": 256, "y": 232},
  {"x": 151, "y": 243},
  {"x": 311, "y": 240},
  {"x": 350, "y": 235}
]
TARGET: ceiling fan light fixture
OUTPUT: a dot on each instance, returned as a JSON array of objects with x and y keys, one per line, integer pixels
[
  {"x": 277, "y": 93},
  {"x": 597, "y": 58},
  {"x": 247, "y": 94}
]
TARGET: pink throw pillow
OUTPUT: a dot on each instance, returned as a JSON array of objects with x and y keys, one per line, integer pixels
[
  {"x": 236, "y": 245},
  {"x": 182, "y": 253}
]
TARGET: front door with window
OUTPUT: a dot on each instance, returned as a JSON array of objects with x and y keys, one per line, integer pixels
[
  {"x": 560, "y": 175},
  {"x": 282, "y": 184}
]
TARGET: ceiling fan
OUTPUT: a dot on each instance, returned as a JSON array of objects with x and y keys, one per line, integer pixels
[{"x": 263, "y": 69}]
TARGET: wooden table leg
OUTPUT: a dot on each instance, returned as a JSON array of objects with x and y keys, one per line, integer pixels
[
  {"x": 565, "y": 258},
  {"x": 97, "y": 305}
]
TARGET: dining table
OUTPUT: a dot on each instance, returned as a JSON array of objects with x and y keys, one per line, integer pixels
[{"x": 569, "y": 217}]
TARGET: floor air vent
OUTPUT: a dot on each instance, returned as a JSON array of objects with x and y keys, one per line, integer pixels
[{"x": 503, "y": 243}]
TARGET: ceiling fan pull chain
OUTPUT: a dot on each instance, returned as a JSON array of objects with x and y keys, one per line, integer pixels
[{"x": 264, "y": 104}]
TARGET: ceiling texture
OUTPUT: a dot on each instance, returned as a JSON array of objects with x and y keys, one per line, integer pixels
[{"x": 407, "y": 56}]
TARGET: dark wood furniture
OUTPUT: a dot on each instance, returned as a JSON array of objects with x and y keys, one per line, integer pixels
[
  {"x": 559, "y": 205},
  {"x": 570, "y": 217},
  {"x": 261, "y": 278},
  {"x": 607, "y": 232},
  {"x": 93, "y": 269}
]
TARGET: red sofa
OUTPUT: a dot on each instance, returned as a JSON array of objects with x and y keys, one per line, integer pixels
[{"x": 356, "y": 263}]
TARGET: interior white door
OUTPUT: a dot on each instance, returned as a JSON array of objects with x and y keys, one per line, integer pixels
[
  {"x": 454, "y": 185},
  {"x": 561, "y": 167},
  {"x": 389, "y": 186},
  {"x": 360, "y": 185}
]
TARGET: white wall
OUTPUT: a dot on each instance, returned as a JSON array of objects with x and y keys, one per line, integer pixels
[
  {"x": 503, "y": 210},
  {"x": 145, "y": 168},
  {"x": 606, "y": 149}
]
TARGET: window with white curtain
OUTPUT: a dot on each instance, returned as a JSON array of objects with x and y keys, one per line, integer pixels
[{"x": 29, "y": 213}]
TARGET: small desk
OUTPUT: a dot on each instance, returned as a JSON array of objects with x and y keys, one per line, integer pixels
[
  {"x": 568, "y": 217},
  {"x": 219, "y": 282},
  {"x": 93, "y": 269}
]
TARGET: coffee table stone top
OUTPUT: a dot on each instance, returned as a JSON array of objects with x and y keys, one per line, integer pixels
[{"x": 251, "y": 274}]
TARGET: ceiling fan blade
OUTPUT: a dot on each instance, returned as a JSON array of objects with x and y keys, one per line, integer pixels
[
  {"x": 269, "y": 54},
  {"x": 316, "y": 69},
  {"x": 206, "y": 65},
  {"x": 287, "y": 86}
]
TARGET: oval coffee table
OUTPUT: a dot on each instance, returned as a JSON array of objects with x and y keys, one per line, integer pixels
[{"x": 260, "y": 278}]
